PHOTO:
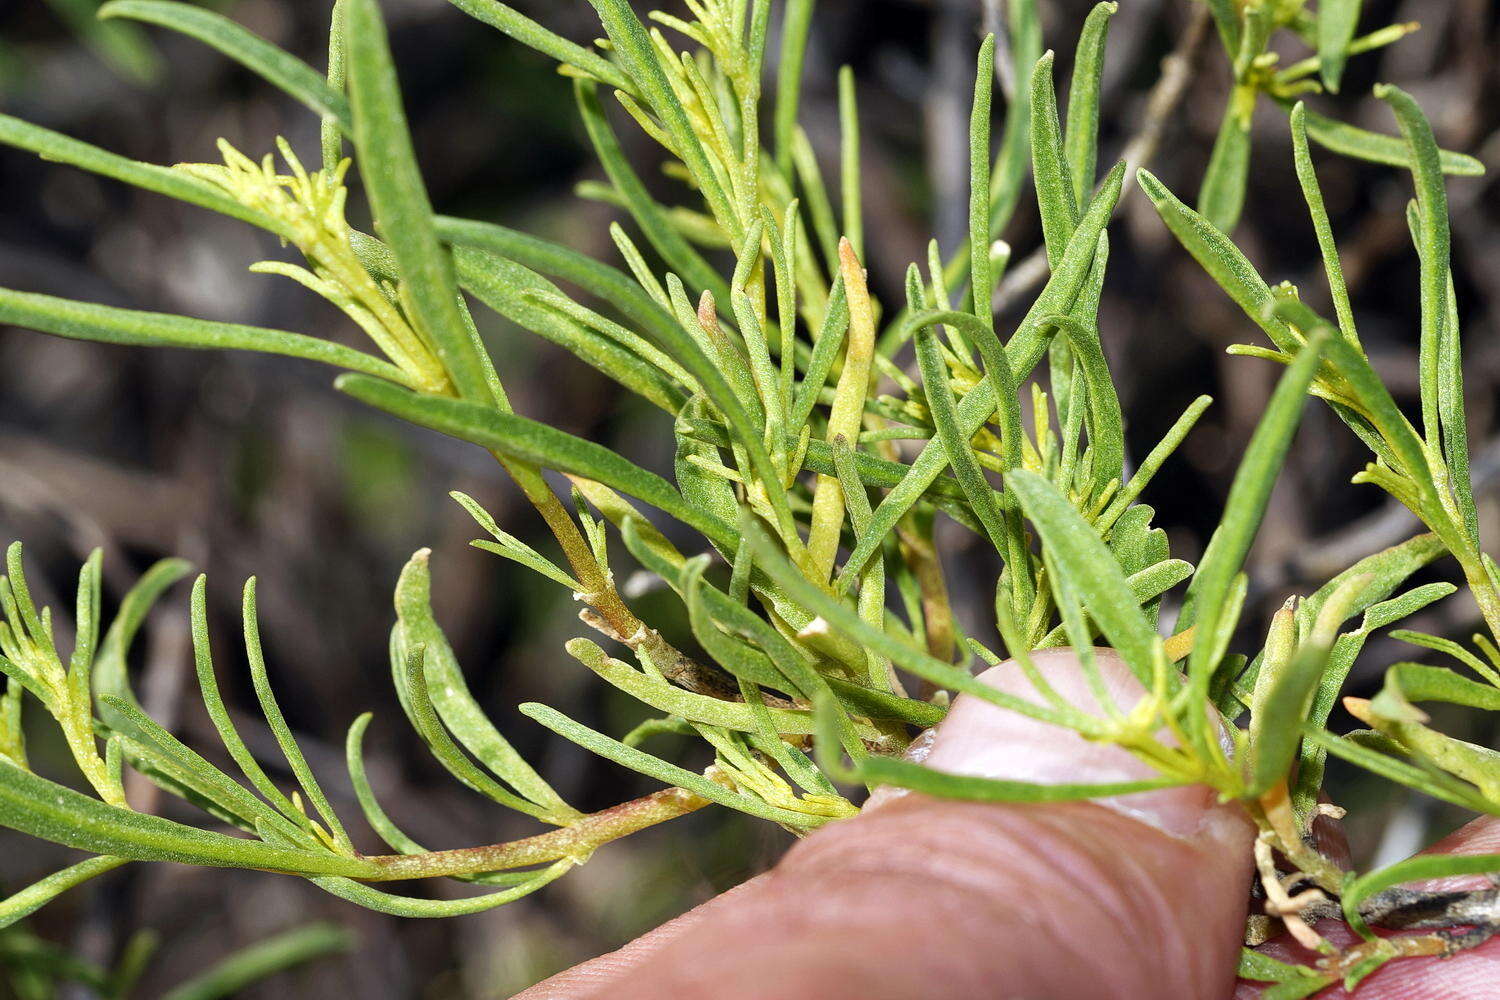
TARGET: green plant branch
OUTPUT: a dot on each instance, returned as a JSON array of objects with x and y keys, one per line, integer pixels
[
  {"x": 788, "y": 402},
  {"x": 576, "y": 841}
]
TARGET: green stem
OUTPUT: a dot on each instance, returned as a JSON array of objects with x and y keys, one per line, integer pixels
[
  {"x": 577, "y": 841},
  {"x": 614, "y": 616},
  {"x": 37, "y": 895},
  {"x": 914, "y": 535},
  {"x": 1485, "y": 593},
  {"x": 789, "y": 79}
]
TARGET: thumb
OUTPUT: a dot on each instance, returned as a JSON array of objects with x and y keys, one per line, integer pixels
[{"x": 1142, "y": 896}]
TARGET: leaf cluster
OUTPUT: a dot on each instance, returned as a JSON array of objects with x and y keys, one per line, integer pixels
[
  {"x": 1249, "y": 33},
  {"x": 818, "y": 435}
]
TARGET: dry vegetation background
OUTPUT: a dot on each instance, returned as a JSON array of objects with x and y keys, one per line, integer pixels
[{"x": 250, "y": 465}]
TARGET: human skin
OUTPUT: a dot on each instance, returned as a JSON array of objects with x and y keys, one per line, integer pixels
[
  {"x": 1469, "y": 975},
  {"x": 1142, "y": 897}
]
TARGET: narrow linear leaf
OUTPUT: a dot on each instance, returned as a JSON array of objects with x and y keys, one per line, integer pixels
[
  {"x": 1422, "y": 683},
  {"x": 1106, "y": 424},
  {"x": 213, "y": 702},
  {"x": 679, "y": 255},
  {"x": 686, "y": 351},
  {"x": 1376, "y": 147},
  {"x": 1146, "y": 585},
  {"x": 1220, "y": 258},
  {"x": 606, "y": 283},
  {"x": 110, "y": 325},
  {"x": 1243, "y": 510},
  {"x": 409, "y": 665},
  {"x": 1381, "y": 573},
  {"x": 531, "y": 34},
  {"x": 874, "y": 704},
  {"x": 1022, "y": 353},
  {"x": 785, "y": 658},
  {"x": 1368, "y": 389},
  {"x": 981, "y": 280},
  {"x": 511, "y": 547},
  {"x": 782, "y": 666},
  {"x": 277, "y": 723},
  {"x": 1091, "y": 570},
  {"x": 956, "y": 445},
  {"x": 49, "y": 811},
  {"x": 1433, "y": 238},
  {"x": 1450, "y": 648},
  {"x": 1313, "y": 757},
  {"x": 1440, "y": 360},
  {"x": 1454, "y": 417},
  {"x": 1221, "y": 198},
  {"x": 1337, "y": 22},
  {"x": 633, "y": 43},
  {"x": 1054, "y": 186},
  {"x": 375, "y": 815},
  {"x": 264, "y": 959},
  {"x": 852, "y": 197},
  {"x": 1329, "y": 250},
  {"x": 175, "y": 769},
  {"x": 847, "y": 621},
  {"x": 450, "y": 694},
  {"x": 382, "y": 824},
  {"x": 19, "y": 905},
  {"x": 796, "y": 26},
  {"x": 111, "y": 675},
  {"x": 535, "y": 304},
  {"x": 904, "y": 774},
  {"x": 716, "y": 634},
  {"x": 277, "y": 66},
  {"x": 1399, "y": 771},
  {"x": 60, "y": 148},
  {"x": 655, "y": 767},
  {"x": 536, "y": 443},
  {"x": 830, "y": 338},
  {"x": 1081, "y": 136},
  {"x": 402, "y": 211},
  {"x": 1153, "y": 462},
  {"x": 674, "y": 701},
  {"x": 413, "y": 907}
]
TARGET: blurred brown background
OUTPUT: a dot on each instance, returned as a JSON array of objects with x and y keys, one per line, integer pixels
[{"x": 250, "y": 465}]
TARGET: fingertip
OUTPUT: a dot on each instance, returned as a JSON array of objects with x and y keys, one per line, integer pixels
[
  {"x": 1140, "y": 897},
  {"x": 933, "y": 900},
  {"x": 984, "y": 740}
]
